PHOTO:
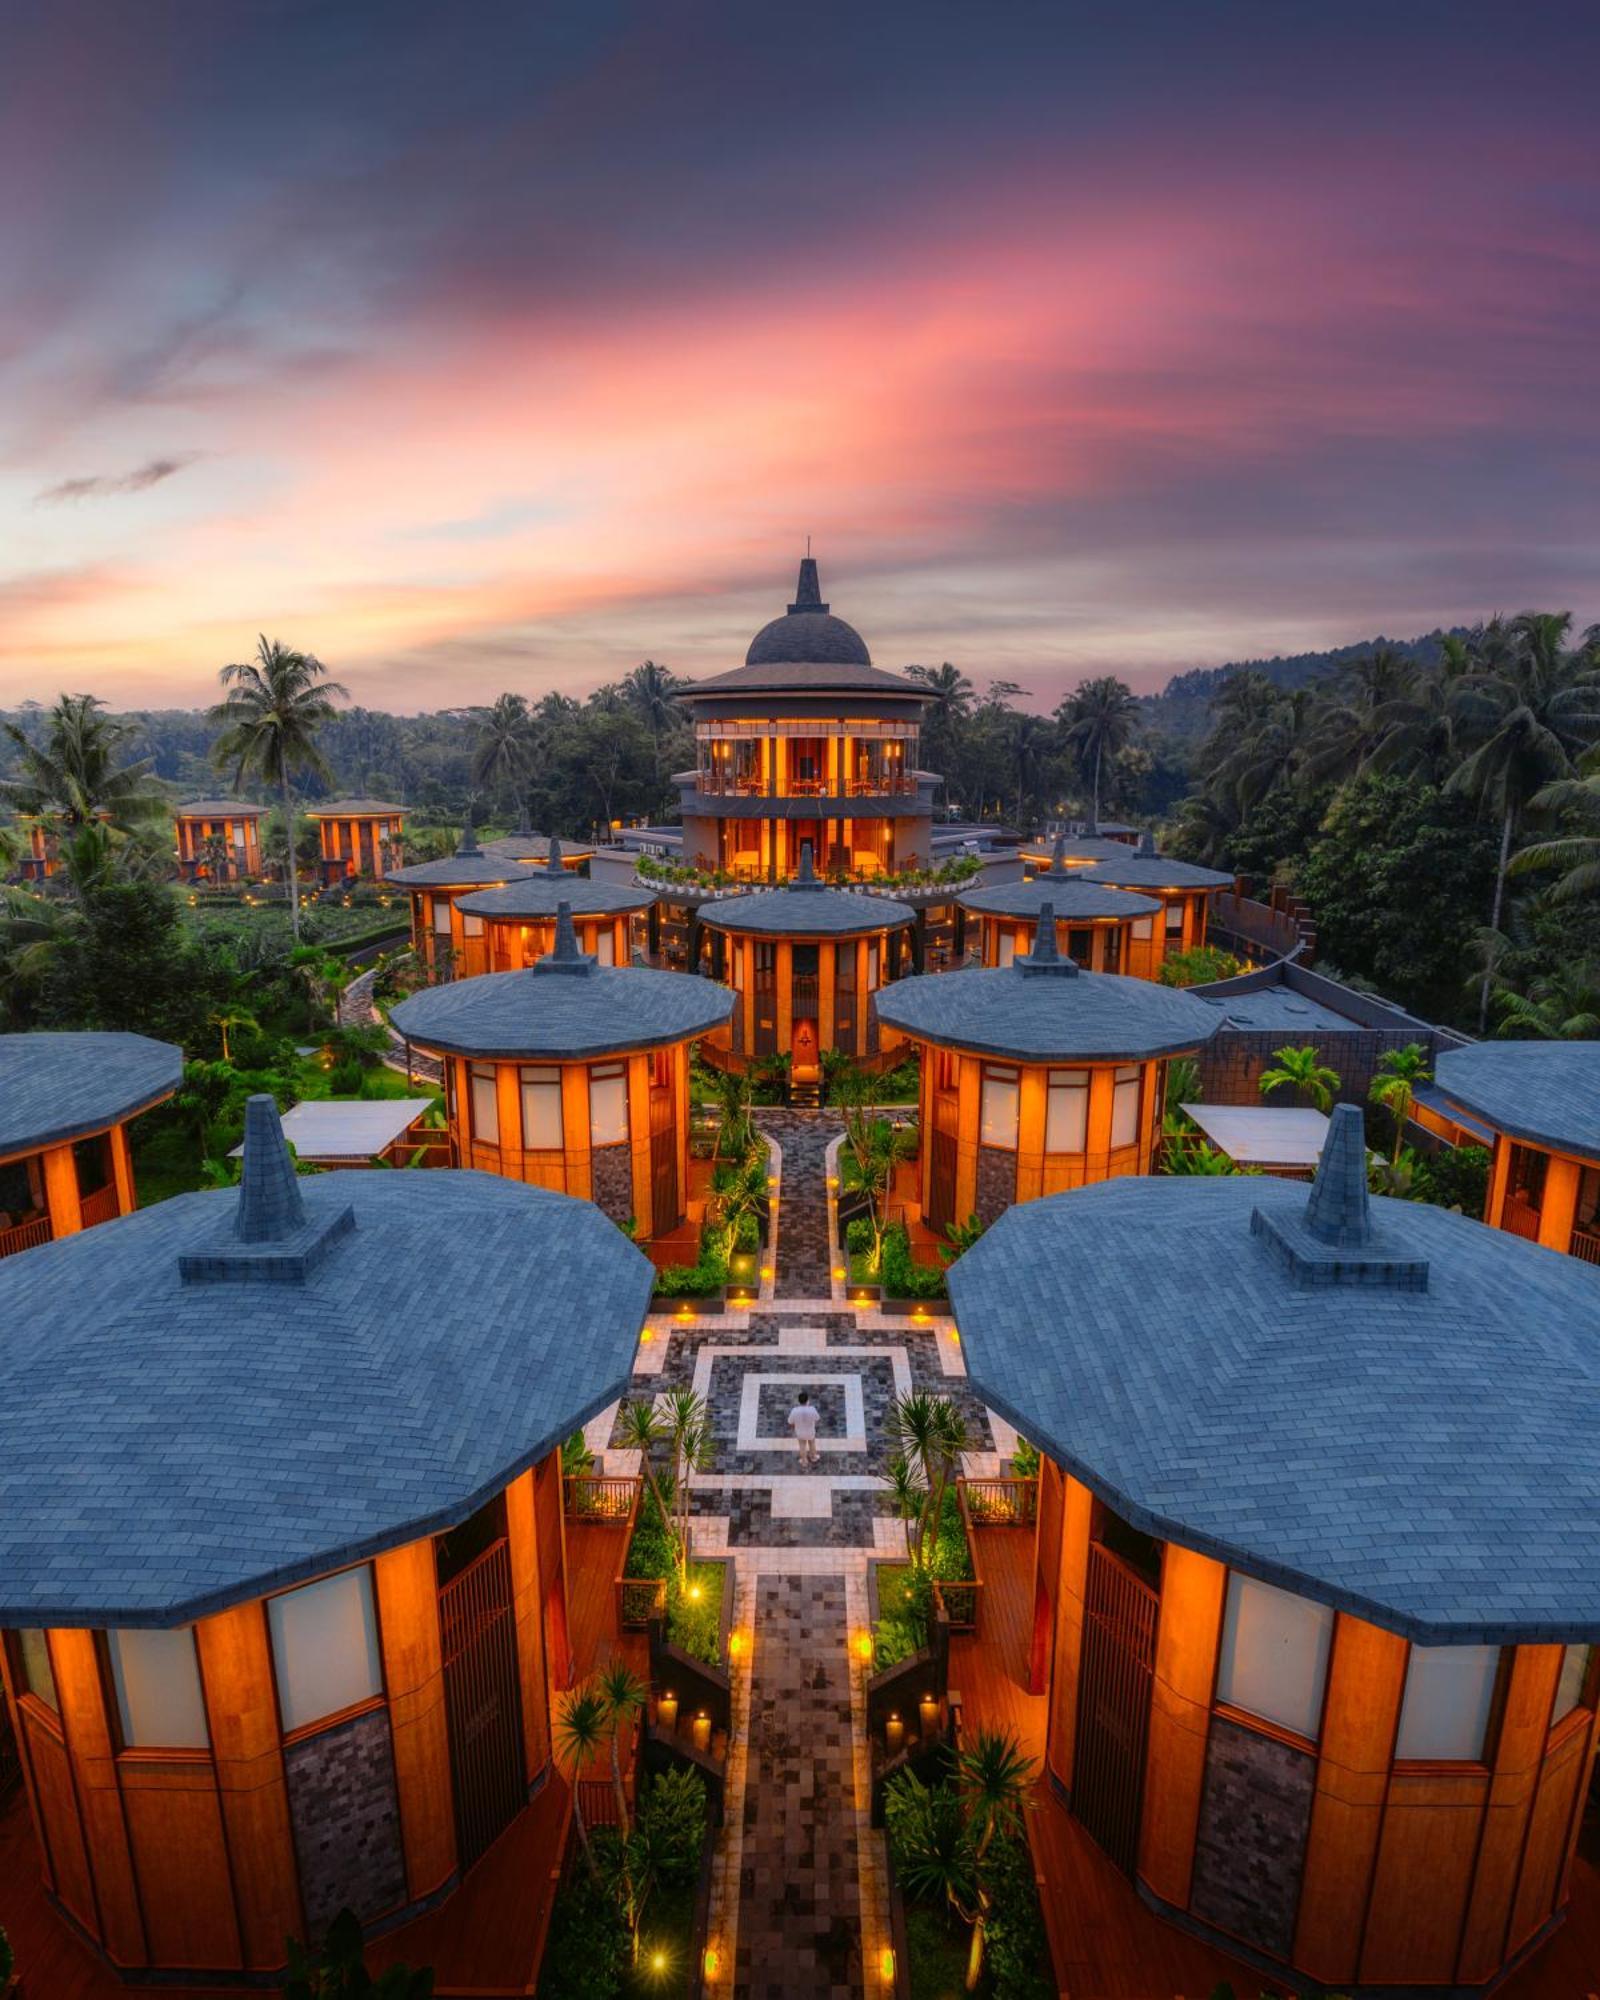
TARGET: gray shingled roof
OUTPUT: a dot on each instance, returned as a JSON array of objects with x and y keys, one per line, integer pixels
[
  {"x": 178, "y": 1438},
  {"x": 1075, "y": 900},
  {"x": 54, "y": 1087},
  {"x": 1083, "y": 848},
  {"x": 345, "y": 808},
  {"x": 539, "y": 895},
  {"x": 1042, "y": 1008},
  {"x": 806, "y": 677},
  {"x": 469, "y": 864},
  {"x": 563, "y": 1009},
  {"x": 219, "y": 809},
  {"x": 1545, "y": 1093},
  {"x": 535, "y": 847},
  {"x": 1153, "y": 871},
  {"x": 805, "y": 908},
  {"x": 1407, "y": 1428}
]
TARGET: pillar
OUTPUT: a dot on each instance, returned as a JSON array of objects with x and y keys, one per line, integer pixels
[
  {"x": 413, "y": 1670},
  {"x": 83, "y": 1693},
  {"x": 61, "y": 1190},
  {"x": 122, "y": 1170},
  {"x": 1559, "y": 1210},
  {"x": 1192, "y": 1589},
  {"x": 527, "y": 1603}
]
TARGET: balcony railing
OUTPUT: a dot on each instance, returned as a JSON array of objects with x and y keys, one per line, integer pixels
[
  {"x": 1002, "y": 1503},
  {"x": 592, "y": 1498},
  {"x": 1585, "y": 1244},
  {"x": 25, "y": 1236},
  {"x": 1521, "y": 1218},
  {"x": 101, "y": 1206}
]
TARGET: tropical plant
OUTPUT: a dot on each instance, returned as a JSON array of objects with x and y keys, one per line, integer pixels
[
  {"x": 504, "y": 751},
  {"x": 1184, "y": 1156},
  {"x": 640, "y": 1429},
  {"x": 691, "y": 1443},
  {"x": 275, "y": 706},
  {"x": 1198, "y": 966},
  {"x": 74, "y": 777},
  {"x": 1395, "y": 1086},
  {"x": 737, "y": 1196},
  {"x": 1576, "y": 854},
  {"x": 930, "y": 1434},
  {"x": 583, "y": 1721},
  {"x": 1301, "y": 1069},
  {"x": 875, "y": 1149},
  {"x": 339, "y": 1970},
  {"x": 576, "y": 1457},
  {"x": 1098, "y": 721},
  {"x": 649, "y": 691},
  {"x": 959, "y": 1238},
  {"x": 1559, "y": 1006}
]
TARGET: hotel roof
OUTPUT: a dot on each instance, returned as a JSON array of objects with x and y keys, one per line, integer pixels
[
  {"x": 469, "y": 865},
  {"x": 219, "y": 809},
  {"x": 563, "y": 1009},
  {"x": 237, "y": 1390},
  {"x": 55, "y": 1087},
  {"x": 806, "y": 907},
  {"x": 1142, "y": 868},
  {"x": 526, "y": 845},
  {"x": 1074, "y": 900},
  {"x": 807, "y": 651},
  {"x": 1042, "y": 1008},
  {"x": 1379, "y": 1404},
  {"x": 1544, "y": 1093},
  {"x": 541, "y": 895},
  {"x": 351, "y": 809}
]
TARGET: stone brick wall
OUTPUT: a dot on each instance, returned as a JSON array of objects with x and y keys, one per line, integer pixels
[
  {"x": 1233, "y": 1060},
  {"x": 612, "y": 1167},
  {"x": 1255, "y": 1813},
  {"x": 346, "y": 1819},
  {"x": 997, "y": 1183}
]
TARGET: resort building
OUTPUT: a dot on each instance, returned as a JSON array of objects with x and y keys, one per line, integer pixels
[
  {"x": 540, "y": 850},
  {"x": 445, "y": 944},
  {"x": 219, "y": 840},
  {"x": 518, "y": 923},
  {"x": 804, "y": 962},
  {"x": 358, "y": 837},
  {"x": 41, "y": 855},
  {"x": 282, "y": 1572},
  {"x": 1078, "y": 846},
  {"x": 1104, "y": 930},
  {"x": 573, "y": 1075},
  {"x": 1316, "y": 1553},
  {"x": 807, "y": 744},
  {"x": 65, "y": 1104},
  {"x": 1185, "y": 891},
  {"x": 1540, "y": 1102},
  {"x": 1037, "y": 1076}
]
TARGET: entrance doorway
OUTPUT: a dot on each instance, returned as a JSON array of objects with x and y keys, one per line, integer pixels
[
  {"x": 483, "y": 1698},
  {"x": 1118, "y": 1666}
]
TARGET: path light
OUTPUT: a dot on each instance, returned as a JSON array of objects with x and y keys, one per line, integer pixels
[
  {"x": 772, "y": 1180},
  {"x": 645, "y": 1336},
  {"x": 838, "y": 1270},
  {"x": 712, "y": 1962},
  {"x": 696, "y": 1592},
  {"x": 928, "y": 1715},
  {"x": 767, "y": 1271},
  {"x": 735, "y": 1645},
  {"x": 864, "y": 1647}
]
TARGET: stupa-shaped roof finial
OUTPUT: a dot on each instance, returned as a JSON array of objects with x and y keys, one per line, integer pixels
[
  {"x": 524, "y": 821},
  {"x": 1046, "y": 956},
  {"x": 552, "y": 860},
  {"x": 1339, "y": 1210},
  {"x": 805, "y": 876},
  {"x": 1147, "y": 845},
  {"x": 270, "y": 1203},
  {"x": 565, "y": 955},
  {"x": 1058, "y": 855},
  {"x": 468, "y": 843},
  {"x": 808, "y": 591}
]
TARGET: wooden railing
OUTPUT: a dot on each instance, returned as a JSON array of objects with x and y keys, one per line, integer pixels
[
  {"x": 961, "y": 1597},
  {"x": 1521, "y": 1218},
  {"x": 1585, "y": 1244},
  {"x": 592, "y": 1497},
  {"x": 1001, "y": 1503},
  {"x": 101, "y": 1206},
  {"x": 25, "y": 1236},
  {"x": 639, "y": 1600}
]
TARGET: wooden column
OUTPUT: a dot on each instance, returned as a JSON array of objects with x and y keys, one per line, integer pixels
[
  {"x": 827, "y": 958},
  {"x": 639, "y": 1140},
  {"x": 1559, "y": 1209},
  {"x": 575, "y": 1145},
  {"x": 680, "y": 1114},
  {"x": 785, "y": 977},
  {"x": 508, "y": 1109},
  {"x": 1519, "y": 1752},
  {"x": 242, "y": 1714},
  {"x": 863, "y": 997},
  {"x": 1097, "y": 1138},
  {"x": 969, "y": 1116},
  {"x": 1494, "y": 1212},
  {"x": 1192, "y": 1591},
  {"x": 122, "y": 1170},
  {"x": 61, "y": 1190},
  {"x": 927, "y": 1060},
  {"x": 1031, "y": 1107},
  {"x": 527, "y": 1599},
  {"x": 1071, "y": 1582},
  {"x": 413, "y": 1672},
  {"x": 82, "y": 1695}
]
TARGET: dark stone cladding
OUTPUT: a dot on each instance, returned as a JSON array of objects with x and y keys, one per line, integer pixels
[
  {"x": 612, "y": 1170},
  {"x": 57, "y": 1086},
  {"x": 997, "y": 1183},
  {"x": 1255, "y": 1814},
  {"x": 345, "y": 1813}
]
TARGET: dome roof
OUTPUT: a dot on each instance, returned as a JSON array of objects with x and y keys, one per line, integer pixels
[{"x": 808, "y": 632}]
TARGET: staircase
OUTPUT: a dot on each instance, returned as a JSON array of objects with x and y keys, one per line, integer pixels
[{"x": 805, "y": 1093}]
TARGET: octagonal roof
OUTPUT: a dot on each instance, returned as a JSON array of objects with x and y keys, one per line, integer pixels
[
  {"x": 541, "y": 895},
  {"x": 469, "y": 864},
  {"x": 1142, "y": 868},
  {"x": 1074, "y": 900},
  {"x": 1544, "y": 1093},
  {"x": 57, "y": 1086}
]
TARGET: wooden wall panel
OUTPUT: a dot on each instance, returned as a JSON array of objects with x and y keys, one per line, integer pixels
[
  {"x": 242, "y": 1711},
  {"x": 638, "y": 1075},
  {"x": 175, "y": 1825},
  {"x": 1190, "y": 1618},
  {"x": 408, "y": 1616},
  {"x": 1071, "y": 1582},
  {"x": 68, "y": 1857},
  {"x": 81, "y": 1690},
  {"x": 1366, "y": 1678},
  {"x": 1519, "y": 1749},
  {"x": 1424, "y": 1876},
  {"x": 527, "y": 1595},
  {"x": 575, "y": 1129},
  {"x": 1550, "y": 1830}
]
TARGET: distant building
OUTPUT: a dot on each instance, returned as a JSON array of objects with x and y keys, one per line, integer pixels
[
  {"x": 358, "y": 837},
  {"x": 219, "y": 840},
  {"x": 447, "y": 947}
]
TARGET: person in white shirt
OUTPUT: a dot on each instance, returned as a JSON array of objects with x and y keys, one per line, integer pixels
[{"x": 803, "y": 1422}]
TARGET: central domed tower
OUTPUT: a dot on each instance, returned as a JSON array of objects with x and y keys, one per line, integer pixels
[{"x": 808, "y": 743}]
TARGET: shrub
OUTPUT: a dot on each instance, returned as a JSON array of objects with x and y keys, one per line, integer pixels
[
  {"x": 672, "y": 1821},
  {"x": 1198, "y": 966},
  {"x": 1457, "y": 1177},
  {"x": 695, "y": 1624},
  {"x": 1018, "y": 1951},
  {"x": 902, "y": 1278},
  {"x": 905, "y": 1626}
]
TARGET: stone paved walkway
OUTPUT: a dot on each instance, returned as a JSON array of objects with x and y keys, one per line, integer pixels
[{"x": 805, "y": 1258}]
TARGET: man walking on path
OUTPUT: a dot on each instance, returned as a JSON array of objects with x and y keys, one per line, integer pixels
[{"x": 803, "y": 1422}]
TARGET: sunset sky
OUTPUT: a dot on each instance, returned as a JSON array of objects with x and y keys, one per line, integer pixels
[{"x": 501, "y": 345}]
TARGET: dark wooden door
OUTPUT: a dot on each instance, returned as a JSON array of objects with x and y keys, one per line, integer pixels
[
  {"x": 664, "y": 1209},
  {"x": 1119, "y": 1650},
  {"x": 942, "y": 1177},
  {"x": 764, "y": 967},
  {"x": 483, "y": 1701}
]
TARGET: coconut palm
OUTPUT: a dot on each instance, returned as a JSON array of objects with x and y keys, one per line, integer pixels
[
  {"x": 275, "y": 707},
  {"x": 686, "y": 1421},
  {"x": 1098, "y": 723},
  {"x": 649, "y": 691},
  {"x": 877, "y": 1147},
  {"x": 1351, "y": 720},
  {"x": 503, "y": 754},
  {"x": 1302, "y": 1071},
  {"x": 640, "y": 1429},
  {"x": 1577, "y": 854},
  {"x": 930, "y": 1434},
  {"x": 1395, "y": 1086},
  {"x": 1561, "y": 1006},
  {"x": 582, "y": 1719},
  {"x": 73, "y": 776}
]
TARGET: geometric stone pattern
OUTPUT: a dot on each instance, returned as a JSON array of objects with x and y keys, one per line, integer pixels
[
  {"x": 612, "y": 1168},
  {"x": 346, "y": 1820},
  {"x": 1255, "y": 1814}
]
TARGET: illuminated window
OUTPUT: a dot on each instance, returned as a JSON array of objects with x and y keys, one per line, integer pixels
[
  {"x": 999, "y": 1108},
  {"x": 1008, "y": 948},
  {"x": 1174, "y": 919},
  {"x": 157, "y": 1679},
  {"x": 441, "y": 915},
  {"x": 1125, "y": 1092},
  {"x": 471, "y": 926},
  {"x": 1066, "y": 1118},
  {"x": 872, "y": 966},
  {"x": 38, "y": 1678},
  {"x": 1274, "y": 1658},
  {"x": 608, "y": 1104},
  {"x": 325, "y": 1647},
  {"x": 1449, "y": 1694},
  {"x": 605, "y": 945},
  {"x": 541, "y": 1108},
  {"x": 1574, "y": 1681},
  {"x": 485, "y": 1103},
  {"x": 1144, "y": 927}
]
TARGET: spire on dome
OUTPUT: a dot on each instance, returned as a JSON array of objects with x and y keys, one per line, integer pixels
[
  {"x": 552, "y": 860},
  {"x": 1339, "y": 1210},
  {"x": 805, "y": 876},
  {"x": 270, "y": 1204},
  {"x": 808, "y": 591},
  {"x": 1147, "y": 845},
  {"x": 1046, "y": 955},
  {"x": 1058, "y": 855},
  {"x": 565, "y": 956},
  {"x": 468, "y": 843}
]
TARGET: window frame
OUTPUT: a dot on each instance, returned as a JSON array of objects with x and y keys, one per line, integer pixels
[
  {"x": 604, "y": 1073},
  {"x": 1250, "y": 1718},
  {"x": 1083, "y": 1091},
  {"x": 315, "y": 1727},
  {"x": 1005, "y": 1076},
  {"x": 22, "y": 1679},
  {"x": 1122, "y": 1076},
  {"x": 112, "y": 1676},
  {"x": 532, "y": 1076},
  {"x": 483, "y": 1073},
  {"x": 1488, "y": 1743}
]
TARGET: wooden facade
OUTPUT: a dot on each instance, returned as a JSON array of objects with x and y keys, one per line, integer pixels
[
  {"x": 1105, "y": 944},
  {"x": 1547, "y": 1196},
  {"x": 358, "y": 837},
  {"x": 1045, "y": 1128},
  {"x": 219, "y": 844},
  {"x": 536, "y": 1120},
  {"x": 1324, "y": 1854},
  {"x": 56, "y": 1190},
  {"x": 510, "y": 944},
  {"x": 1182, "y": 926},
  {"x": 195, "y": 1864},
  {"x": 799, "y": 995}
]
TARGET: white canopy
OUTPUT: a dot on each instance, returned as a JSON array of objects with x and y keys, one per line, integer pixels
[
  {"x": 1261, "y": 1135},
  {"x": 348, "y": 1128}
]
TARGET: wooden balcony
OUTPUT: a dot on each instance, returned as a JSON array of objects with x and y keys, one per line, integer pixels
[
  {"x": 101, "y": 1206},
  {"x": 25, "y": 1235}
]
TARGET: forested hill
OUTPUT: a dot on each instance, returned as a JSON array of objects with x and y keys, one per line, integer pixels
[{"x": 1182, "y": 710}]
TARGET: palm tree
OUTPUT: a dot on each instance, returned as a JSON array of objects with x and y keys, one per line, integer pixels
[
  {"x": 877, "y": 1146},
  {"x": 1529, "y": 715},
  {"x": 1099, "y": 720},
  {"x": 1577, "y": 855},
  {"x": 581, "y": 1723},
  {"x": 233, "y": 1017},
  {"x": 1301, "y": 1069},
  {"x": 648, "y": 691},
  {"x": 1272, "y": 749},
  {"x": 73, "y": 776},
  {"x": 1562, "y": 1006},
  {"x": 950, "y": 705},
  {"x": 625, "y": 1696},
  {"x": 640, "y": 1429},
  {"x": 1416, "y": 729},
  {"x": 1395, "y": 1086},
  {"x": 686, "y": 1421},
  {"x": 930, "y": 1434},
  {"x": 503, "y": 753},
  {"x": 275, "y": 706},
  {"x": 994, "y": 1779},
  {"x": 1351, "y": 720}
]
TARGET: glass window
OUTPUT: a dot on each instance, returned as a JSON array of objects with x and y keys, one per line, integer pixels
[
  {"x": 38, "y": 1678},
  {"x": 1449, "y": 1692},
  {"x": 999, "y": 1109},
  {"x": 1174, "y": 919},
  {"x": 605, "y": 945},
  {"x": 608, "y": 1104},
  {"x": 441, "y": 915},
  {"x": 1125, "y": 1106},
  {"x": 541, "y": 1108},
  {"x": 1573, "y": 1684},
  {"x": 485, "y": 1104},
  {"x": 1144, "y": 927},
  {"x": 1274, "y": 1657},
  {"x": 1008, "y": 948},
  {"x": 872, "y": 966},
  {"x": 471, "y": 926},
  {"x": 157, "y": 1679},
  {"x": 1066, "y": 1118},
  {"x": 325, "y": 1647}
]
